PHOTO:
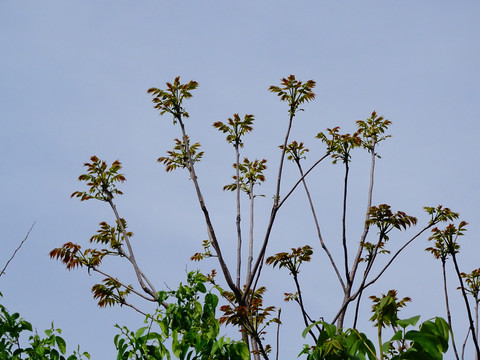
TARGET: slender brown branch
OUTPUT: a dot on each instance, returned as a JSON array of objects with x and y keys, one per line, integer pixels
[
  {"x": 364, "y": 285},
  {"x": 122, "y": 284},
  {"x": 238, "y": 219},
  {"x": 398, "y": 253},
  {"x": 449, "y": 316},
  {"x": 250, "y": 245},
  {"x": 210, "y": 229},
  {"x": 465, "y": 344},
  {"x": 300, "y": 302},
  {"x": 299, "y": 181},
  {"x": 275, "y": 208},
  {"x": 344, "y": 219},
  {"x": 278, "y": 333},
  {"x": 469, "y": 312},
  {"x": 131, "y": 257},
  {"x": 317, "y": 225},
  {"x": 282, "y": 158},
  {"x": 367, "y": 216},
  {"x": 356, "y": 262},
  {"x": 16, "y": 250},
  {"x": 258, "y": 263},
  {"x": 134, "y": 308}
]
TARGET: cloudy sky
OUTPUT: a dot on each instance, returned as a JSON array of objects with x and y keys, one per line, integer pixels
[{"x": 73, "y": 82}]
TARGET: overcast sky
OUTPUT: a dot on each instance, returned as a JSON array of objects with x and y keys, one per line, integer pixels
[{"x": 73, "y": 82}]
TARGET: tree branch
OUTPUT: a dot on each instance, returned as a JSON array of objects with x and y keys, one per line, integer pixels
[
  {"x": 258, "y": 263},
  {"x": 131, "y": 257},
  {"x": 210, "y": 229},
  {"x": 16, "y": 250},
  {"x": 319, "y": 234}
]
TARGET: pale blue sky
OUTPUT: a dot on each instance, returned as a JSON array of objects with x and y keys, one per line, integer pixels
[{"x": 73, "y": 81}]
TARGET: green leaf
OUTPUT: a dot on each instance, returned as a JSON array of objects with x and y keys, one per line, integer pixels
[
  {"x": 62, "y": 346},
  {"x": 410, "y": 321},
  {"x": 308, "y": 328},
  {"x": 25, "y": 325},
  {"x": 398, "y": 336},
  {"x": 140, "y": 332},
  {"x": 201, "y": 287}
]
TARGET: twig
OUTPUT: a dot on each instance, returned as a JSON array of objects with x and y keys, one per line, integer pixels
[
  {"x": 317, "y": 225},
  {"x": 131, "y": 257},
  {"x": 259, "y": 263},
  {"x": 211, "y": 232},
  {"x": 278, "y": 333},
  {"x": 18, "y": 248}
]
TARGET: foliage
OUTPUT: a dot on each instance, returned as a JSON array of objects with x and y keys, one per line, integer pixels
[
  {"x": 191, "y": 328},
  {"x": 14, "y": 330},
  {"x": 185, "y": 319}
]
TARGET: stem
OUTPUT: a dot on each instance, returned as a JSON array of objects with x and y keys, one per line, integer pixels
[
  {"x": 380, "y": 341},
  {"x": 319, "y": 234},
  {"x": 344, "y": 216},
  {"x": 275, "y": 208},
  {"x": 469, "y": 313},
  {"x": 367, "y": 216},
  {"x": 357, "y": 307},
  {"x": 364, "y": 286},
  {"x": 300, "y": 302},
  {"x": 238, "y": 220},
  {"x": 278, "y": 332},
  {"x": 282, "y": 158},
  {"x": 18, "y": 248},
  {"x": 398, "y": 253},
  {"x": 210, "y": 230},
  {"x": 131, "y": 257},
  {"x": 356, "y": 262},
  {"x": 465, "y": 343},
  {"x": 303, "y": 177},
  {"x": 476, "y": 322},
  {"x": 449, "y": 316},
  {"x": 250, "y": 245},
  {"x": 259, "y": 262}
]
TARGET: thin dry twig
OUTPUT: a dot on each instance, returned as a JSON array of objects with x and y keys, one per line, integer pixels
[{"x": 18, "y": 248}]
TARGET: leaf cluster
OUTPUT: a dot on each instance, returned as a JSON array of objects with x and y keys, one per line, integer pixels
[
  {"x": 472, "y": 280},
  {"x": 253, "y": 317},
  {"x": 372, "y": 131},
  {"x": 101, "y": 180},
  {"x": 294, "y": 92},
  {"x": 293, "y": 260},
  {"x": 251, "y": 175},
  {"x": 295, "y": 151},
  {"x": 13, "y": 332},
  {"x": 446, "y": 239},
  {"x": 336, "y": 344},
  {"x": 440, "y": 214},
  {"x": 109, "y": 293},
  {"x": 188, "y": 327},
  {"x": 386, "y": 308},
  {"x": 385, "y": 220},
  {"x": 236, "y": 128},
  {"x": 171, "y": 99},
  {"x": 340, "y": 145},
  {"x": 178, "y": 157}
]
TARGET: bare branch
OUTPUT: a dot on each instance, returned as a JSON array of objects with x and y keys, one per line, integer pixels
[
  {"x": 317, "y": 225},
  {"x": 259, "y": 263},
  {"x": 16, "y": 250},
  {"x": 210, "y": 229},
  {"x": 303, "y": 177},
  {"x": 131, "y": 257}
]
